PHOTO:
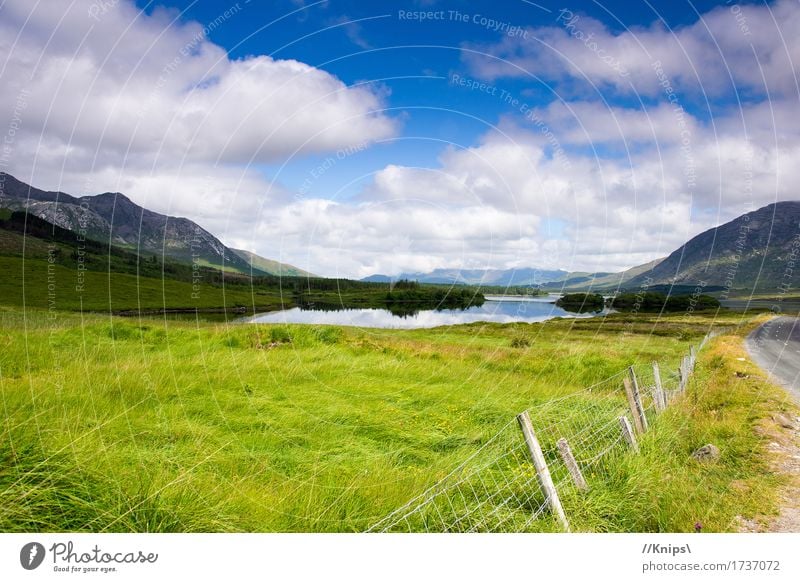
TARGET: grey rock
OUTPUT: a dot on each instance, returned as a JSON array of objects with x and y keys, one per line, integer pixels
[
  {"x": 784, "y": 421},
  {"x": 706, "y": 453}
]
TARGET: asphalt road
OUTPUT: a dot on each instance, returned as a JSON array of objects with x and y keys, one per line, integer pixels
[{"x": 775, "y": 346}]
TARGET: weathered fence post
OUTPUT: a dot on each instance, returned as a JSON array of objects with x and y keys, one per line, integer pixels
[
  {"x": 682, "y": 375},
  {"x": 627, "y": 433},
  {"x": 571, "y": 464},
  {"x": 687, "y": 364},
  {"x": 632, "y": 404},
  {"x": 542, "y": 472},
  {"x": 635, "y": 401},
  {"x": 692, "y": 357},
  {"x": 659, "y": 396}
]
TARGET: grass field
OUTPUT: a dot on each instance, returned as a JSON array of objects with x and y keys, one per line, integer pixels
[
  {"x": 115, "y": 424},
  {"x": 62, "y": 288}
]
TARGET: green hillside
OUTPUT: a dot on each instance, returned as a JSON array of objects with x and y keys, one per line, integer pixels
[
  {"x": 49, "y": 266},
  {"x": 271, "y": 267},
  {"x": 41, "y": 284}
]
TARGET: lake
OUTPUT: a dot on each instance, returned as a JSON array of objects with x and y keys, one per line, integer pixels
[
  {"x": 497, "y": 309},
  {"x": 786, "y": 307}
]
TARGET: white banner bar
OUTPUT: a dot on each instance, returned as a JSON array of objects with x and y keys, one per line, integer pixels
[{"x": 400, "y": 557}]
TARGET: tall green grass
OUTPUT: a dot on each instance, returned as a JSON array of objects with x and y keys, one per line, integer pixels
[
  {"x": 114, "y": 424},
  {"x": 729, "y": 403}
]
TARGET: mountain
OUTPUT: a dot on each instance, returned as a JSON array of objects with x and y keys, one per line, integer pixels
[
  {"x": 757, "y": 251},
  {"x": 114, "y": 218},
  {"x": 269, "y": 266},
  {"x": 504, "y": 277},
  {"x": 598, "y": 281},
  {"x": 553, "y": 280},
  {"x": 24, "y": 235}
]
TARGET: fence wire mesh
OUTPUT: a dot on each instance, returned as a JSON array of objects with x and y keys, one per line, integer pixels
[{"x": 497, "y": 488}]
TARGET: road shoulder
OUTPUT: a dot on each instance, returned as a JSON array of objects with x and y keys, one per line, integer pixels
[{"x": 782, "y": 431}]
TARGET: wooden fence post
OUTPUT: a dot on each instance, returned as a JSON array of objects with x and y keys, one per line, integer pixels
[
  {"x": 542, "y": 472},
  {"x": 571, "y": 464},
  {"x": 682, "y": 376},
  {"x": 659, "y": 396},
  {"x": 635, "y": 401},
  {"x": 631, "y": 403},
  {"x": 638, "y": 398},
  {"x": 627, "y": 433}
]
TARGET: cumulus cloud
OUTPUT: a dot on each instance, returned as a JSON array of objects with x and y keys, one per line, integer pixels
[
  {"x": 393, "y": 236},
  {"x": 113, "y": 99},
  {"x": 730, "y": 50},
  {"x": 667, "y": 131},
  {"x": 669, "y": 176},
  {"x": 154, "y": 90},
  {"x": 584, "y": 214},
  {"x": 610, "y": 173}
]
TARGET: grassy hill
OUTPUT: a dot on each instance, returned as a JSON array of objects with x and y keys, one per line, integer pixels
[
  {"x": 271, "y": 267},
  {"x": 598, "y": 281},
  {"x": 49, "y": 266},
  {"x": 40, "y": 284}
]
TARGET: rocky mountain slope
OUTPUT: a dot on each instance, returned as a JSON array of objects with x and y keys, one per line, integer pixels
[
  {"x": 114, "y": 218},
  {"x": 757, "y": 251}
]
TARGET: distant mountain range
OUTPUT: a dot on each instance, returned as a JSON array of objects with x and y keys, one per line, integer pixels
[
  {"x": 601, "y": 280},
  {"x": 114, "y": 218},
  {"x": 757, "y": 251},
  {"x": 547, "y": 279},
  {"x": 504, "y": 277}
]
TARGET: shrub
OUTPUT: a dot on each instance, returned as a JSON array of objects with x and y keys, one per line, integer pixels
[
  {"x": 280, "y": 335},
  {"x": 520, "y": 342},
  {"x": 328, "y": 335}
]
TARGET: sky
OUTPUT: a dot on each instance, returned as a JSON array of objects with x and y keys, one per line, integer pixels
[{"x": 350, "y": 138}]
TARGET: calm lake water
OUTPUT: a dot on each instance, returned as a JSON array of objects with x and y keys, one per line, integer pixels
[
  {"x": 496, "y": 309},
  {"x": 787, "y": 307}
]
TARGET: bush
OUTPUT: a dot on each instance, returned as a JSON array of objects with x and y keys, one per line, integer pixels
[
  {"x": 328, "y": 335},
  {"x": 520, "y": 342},
  {"x": 280, "y": 335},
  {"x": 231, "y": 342}
]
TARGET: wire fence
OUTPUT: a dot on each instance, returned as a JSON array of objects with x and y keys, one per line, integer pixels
[{"x": 515, "y": 481}]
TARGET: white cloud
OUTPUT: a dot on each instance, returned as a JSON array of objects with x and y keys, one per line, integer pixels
[
  {"x": 731, "y": 50},
  {"x": 154, "y": 91},
  {"x": 399, "y": 235},
  {"x": 632, "y": 184}
]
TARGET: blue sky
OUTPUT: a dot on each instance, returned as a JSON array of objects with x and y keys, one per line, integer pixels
[
  {"x": 413, "y": 59},
  {"x": 350, "y": 138}
]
